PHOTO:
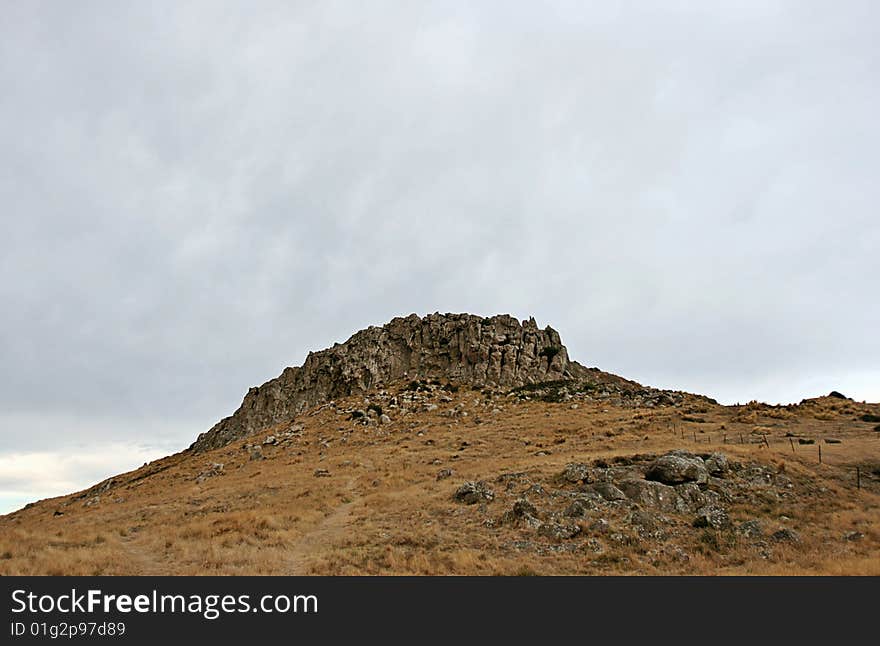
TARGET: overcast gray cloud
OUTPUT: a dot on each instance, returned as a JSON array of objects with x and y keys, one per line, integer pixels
[{"x": 197, "y": 194}]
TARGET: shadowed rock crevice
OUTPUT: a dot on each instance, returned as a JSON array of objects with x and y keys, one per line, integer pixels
[{"x": 462, "y": 348}]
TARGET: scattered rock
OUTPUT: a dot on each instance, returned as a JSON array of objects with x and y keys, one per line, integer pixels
[
  {"x": 853, "y": 536},
  {"x": 578, "y": 508},
  {"x": 559, "y": 531},
  {"x": 321, "y": 473},
  {"x": 213, "y": 470},
  {"x": 751, "y": 529},
  {"x": 594, "y": 545},
  {"x": 384, "y": 419},
  {"x": 646, "y": 522},
  {"x": 523, "y": 508},
  {"x": 714, "y": 517},
  {"x": 600, "y": 526},
  {"x": 786, "y": 536},
  {"x": 576, "y": 472},
  {"x": 471, "y": 493},
  {"x": 831, "y": 440},
  {"x": 442, "y": 474}
]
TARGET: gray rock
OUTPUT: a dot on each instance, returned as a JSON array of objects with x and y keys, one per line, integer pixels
[
  {"x": 559, "y": 531},
  {"x": 384, "y": 419},
  {"x": 523, "y": 507},
  {"x": 576, "y": 472},
  {"x": 717, "y": 465},
  {"x": 578, "y": 508},
  {"x": 460, "y": 348},
  {"x": 536, "y": 490},
  {"x": 321, "y": 473},
  {"x": 593, "y": 545},
  {"x": 786, "y": 536},
  {"x": 608, "y": 491},
  {"x": 751, "y": 529},
  {"x": 692, "y": 497},
  {"x": 471, "y": 493},
  {"x": 600, "y": 526},
  {"x": 713, "y": 517},
  {"x": 211, "y": 471},
  {"x": 676, "y": 468},
  {"x": 442, "y": 474},
  {"x": 656, "y": 495},
  {"x": 647, "y": 523}
]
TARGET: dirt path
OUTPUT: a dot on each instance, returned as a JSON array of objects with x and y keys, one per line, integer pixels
[
  {"x": 140, "y": 561},
  {"x": 328, "y": 531}
]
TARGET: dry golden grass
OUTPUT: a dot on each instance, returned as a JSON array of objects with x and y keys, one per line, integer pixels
[{"x": 382, "y": 510}]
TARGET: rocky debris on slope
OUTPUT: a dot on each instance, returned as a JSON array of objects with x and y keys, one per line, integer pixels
[
  {"x": 462, "y": 348},
  {"x": 616, "y": 502},
  {"x": 601, "y": 386}
]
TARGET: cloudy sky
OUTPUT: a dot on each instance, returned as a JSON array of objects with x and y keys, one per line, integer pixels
[{"x": 194, "y": 195}]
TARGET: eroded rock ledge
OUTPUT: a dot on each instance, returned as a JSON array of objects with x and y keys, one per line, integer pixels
[{"x": 462, "y": 348}]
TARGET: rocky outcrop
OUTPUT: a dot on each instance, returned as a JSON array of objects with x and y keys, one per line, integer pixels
[{"x": 461, "y": 348}]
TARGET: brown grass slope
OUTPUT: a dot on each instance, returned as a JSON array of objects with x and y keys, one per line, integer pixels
[{"x": 336, "y": 491}]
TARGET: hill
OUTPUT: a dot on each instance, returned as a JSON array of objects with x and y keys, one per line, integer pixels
[{"x": 456, "y": 444}]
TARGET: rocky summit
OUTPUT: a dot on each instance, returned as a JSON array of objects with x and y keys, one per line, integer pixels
[
  {"x": 461, "y": 348},
  {"x": 456, "y": 444}
]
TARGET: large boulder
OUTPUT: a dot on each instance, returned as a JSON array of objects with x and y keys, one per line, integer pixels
[
  {"x": 678, "y": 467},
  {"x": 651, "y": 494}
]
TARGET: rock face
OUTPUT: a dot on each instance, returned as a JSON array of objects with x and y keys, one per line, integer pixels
[{"x": 462, "y": 348}]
